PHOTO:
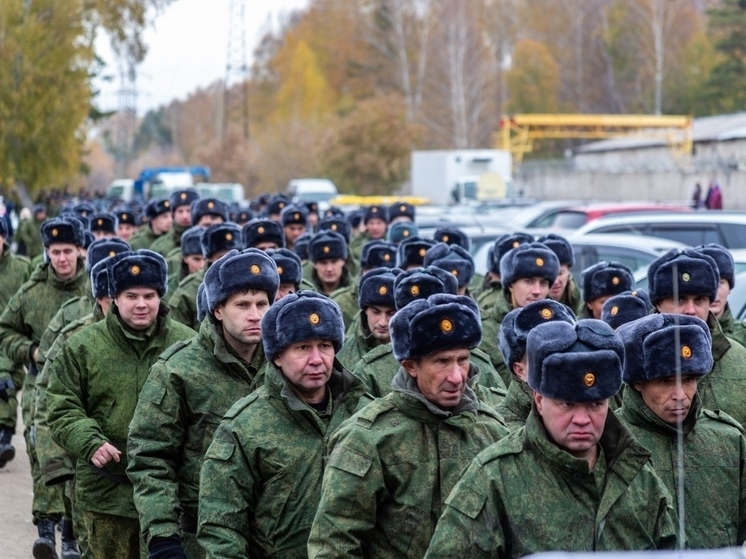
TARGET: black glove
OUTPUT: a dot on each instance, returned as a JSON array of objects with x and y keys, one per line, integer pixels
[
  {"x": 7, "y": 389},
  {"x": 166, "y": 548}
]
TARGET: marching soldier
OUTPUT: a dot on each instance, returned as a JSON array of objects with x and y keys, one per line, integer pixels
[
  {"x": 180, "y": 202},
  {"x": 160, "y": 221}
]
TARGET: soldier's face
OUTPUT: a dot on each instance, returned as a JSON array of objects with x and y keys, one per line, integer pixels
[
  {"x": 307, "y": 367},
  {"x": 183, "y": 216},
  {"x": 161, "y": 224},
  {"x": 669, "y": 400},
  {"x": 138, "y": 307},
  {"x": 292, "y": 232},
  {"x": 209, "y": 219},
  {"x": 596, "y": 306},
  {"x": 329, "y": 271},
  {"x": 125, "y": 231},
  {"x": 689, "y": 305},
  {"x": 378, "y": 321},
  {"x": 718, "y": 305},
  {"x": 441, "y": 376},
  {"x": 574, "y": 427},
  {"x": 102, "y": 235},
  {"x": 266, "y": 245},
  {"x": 241, "y": 315},
  {"x": 376, "y": 228},
  {"x": 528, "y": 290},
  {"x": 63, "y": 257},
  {"x": 285, "y": 289},
  {"x": 194, "y": 262},
  {"x": 558, "y": 287}
]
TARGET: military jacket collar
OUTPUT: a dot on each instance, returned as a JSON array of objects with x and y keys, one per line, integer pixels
[
  {"x": 210, "y": 337},
  {"x": 637, "y": 413},
  {"x": 520, "y": 398},
  {"x": 177, "y": 231},
  {"x": 411, "y": 401},
  {"x": 502, "y": 306},
  {"x": 367, "y": 339},
  {"x": 720, "y": 344},
  {"x": 726, "y": 320},
  {"x": 45, "y": 273}
]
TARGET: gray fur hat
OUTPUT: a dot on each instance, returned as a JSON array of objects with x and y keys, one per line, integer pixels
[
  {"x": 514, "y": 329},
  {"x": 288, "y": 264},
  {"x": 561, "y": 247},
  {"x": 60, "y": 230},
  {"x": 695, "y": 273},
  {"x": 421, "y": 283},
  {"x": 376, "y": 288},
  {"x": 301, "y": 316},
  {"x": 327, "y": 245},
  {"x": 100, "y": 279},
  {"x": 300, "y": 247},
  {"x": 219, "y": 237},
  {"x": 606, "y": 278},
  {"x": 528, "y": 260},
  {"x": 625, "y": 307},
  {"x": 412, "y": 251},
  {"x": 655, "y": 344},
  {"x": 579, "y": 362},
  {"x": 401, "y": 231},
  {"x": 439, "y": 323},
  {"x": 375, "y": 212},
  {"x": 208, "y": 206},
  {"x": 294, "y": 215},
  {"x": 202, "y": 302},
  {"x": 337, "y": 224},
  {"x": 104, "y": 248},
  {"x": 454, "y": 259},
  {"x": 156, "y": 207},
  {"x": 142, "y": 268},
  {"x": 191, "y": 241},
  {"x": 183, "y": 197},
  {"x": 452, "y": 236},
  {"x": 261, "y": 230},
  {"x": 724, "y": 260},
  {"x": 378, "y": 254},
  {"x": 401, "y": 209},
  {"x": 503, "y": 244},
  {"x": 240, "y": 271},
  {"x": 103, "y": 221}
]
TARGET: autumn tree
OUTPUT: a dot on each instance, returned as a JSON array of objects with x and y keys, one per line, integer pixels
[
  {"x": 534, "y": 79},
  {"x": 724, "y": 90}
]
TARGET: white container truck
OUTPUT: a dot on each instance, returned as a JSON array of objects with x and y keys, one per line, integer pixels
[{"x": 461, "y": 176}]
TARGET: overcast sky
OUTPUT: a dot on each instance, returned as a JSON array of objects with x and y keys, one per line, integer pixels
[{"x": 187, "y": 48}]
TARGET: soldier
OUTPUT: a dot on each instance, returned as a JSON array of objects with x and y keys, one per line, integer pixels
[
  {"x": 312, "y": 209},
  {"x": 411, "y": 253},
  {"x": 574, "y": 478},
  {"x": 455, "y": 260},
  {"x": 263, "y": 234},
  {"x": 93, "y": 388},
  {"x": 693, "y": 276},
  {"x": 401, "y": 231},
  {"x": 732, "y": 327},
  {"x": 564, "y": 289},
  {"x": 160, "y": 221},
  {"x": 376, "y": 304},
  {"x": 208, "y": 211},
  {"x": 275, "y": 205},
  {"x": 401, "y": 212},
  {"x": 103, "y": 225},
  {"x": 269, "y": 449},
  {"x": 28, "y": 237},
  {"x": 180, "y": 202},
  {"x": 601, "y": 281},
  {"x": 191, "y": 258},
  {"x": 176, "y": 416},
  {"x": 512, "y": 341},
  {"x": 665, "y": 355},
  {"x": 340, "y": 225},
  {"x": 625, "y": 307},
  {"x": 14, "y": 272},
  {"x": 452, "y": 236},
  {"x": 294, "y": 222},
  {"x": 492, "y": 286},
  {"x": 328, "y": 252},
  {"x": 289, "y": 269},
  {"x": 126, "y": 224},
  {"x": 392, "y": 466},
  {"x": 22, "y": 324},
  {"x": 374, "y": 221}
]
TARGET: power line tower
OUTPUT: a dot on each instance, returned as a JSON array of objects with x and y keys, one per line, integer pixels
[
  {"x": 236, "y": 94},
  {"x": 127, "y": 115}
]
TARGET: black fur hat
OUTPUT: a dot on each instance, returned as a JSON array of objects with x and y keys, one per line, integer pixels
[
  {"x": 560, "y": 247},
  {"x": 208, "y": 206},
  {"x": 529, "y": 260},
  {"x": 375, "y": 212},
  {"x": 625, "y": 307},
  {"x": 191, "y": 241},
  {"x": 579, "y": 362},
  {"x": 695, "y": 273},
  {"x": 277, "y": 203},
  {"x": 142, "y": 268},
  {"x": 454, "y": 259},
  {"x": 657, "y": 344},
  {"x": 89, "y": 238},
  {"x": 261, "y": 230},
  {"x": 84, "y": 209},
  {"x": 334, "y": 211},
  {"x": 401, "y": 231},
  {"x": 183, "y": 197},
  {"x": 516, "y": 325},
  {"x": 219, "y": 237},
  {"x": 240, "y": 271},
  {"x": 439, "y": 323},
  {"x": 421, "y": 283},
  {"x": 104, "y": 248},
  {"x": 288, "y": 264},
  {"x": 100, "y": 279},
  {"x": 293, "y": 214},
  {"x": 376, "y": 288},
  {"x": 242, "y": 217},
  {"x": 125, "y": 217},
  {"x": 412, "y": 251},
  {"x": 105, "y": 222},
  {"x": 724, "y": 260},
  {"x": 354, "y": 217},
  {"x": 157, "y": 207},
  {"x": 606, "y": 278},
  {"x": 301, "y": 246},
  {"x": 301, "y": 316},
  {"x": 62, "y": 230},
  {"x": 452, "y": 236},
  {"x": 327, "y": 245},
  {"x": 338, "y": 225},
  {"x": 311, "y": 207},
  {"x": 502, "y": 245},
  {"x": 378, "y": 254},
  {"x": 401, "y": 209}
]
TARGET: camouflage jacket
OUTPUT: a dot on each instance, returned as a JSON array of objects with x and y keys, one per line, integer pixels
[
  {"x": 261, "y": 478},
  {"x": 30, "y": 310},
  {"x": 491, "y": 321},
  {"x": 164, "y": 244},
  {"x": 14, "y": 272},
  {"x": 175, "y": 278},
  {"x": 488, "y": 292},
  {"x": 346, "y": 298},
  {"x": 29, "y": 235},
  {"x": 390, "y": 469},
  {"x": 525, "y": 495},
  {"x": 356, "y": 345},
  {"x": 356, "y": 246},
  {"x": 732, "y": 327},
  {"x": 70, "y": 311},
  {"x": 714, "y": 458},
  {"x": 189, "y": 390},
  {"x": 94, "y": 384},
  {"x": 517, "y": 404},
  {"x": 345, "y": 281},
  {"x": 183, "y": 301},
  {"x": 571, "y": 297},
  {"x": 144, "y": 238},
  {"x": 378, "y": 368}
]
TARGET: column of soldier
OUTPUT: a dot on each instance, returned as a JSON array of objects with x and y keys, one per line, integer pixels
[{"x": 207, "y": 389}]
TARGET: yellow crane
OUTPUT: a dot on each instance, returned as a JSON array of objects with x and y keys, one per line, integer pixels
[{"x": 518, "y": 132}]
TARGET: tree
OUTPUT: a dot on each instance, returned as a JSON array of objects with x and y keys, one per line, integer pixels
[
  {"x": 724, "y": 91},
  {"x": 533, "y": 81}
]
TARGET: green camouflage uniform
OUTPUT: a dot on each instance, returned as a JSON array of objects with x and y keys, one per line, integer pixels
[
  {"x": 517, "y": 404},
  {"x": 725, "y": 387},
  {"x": 183, "y": 301},
  {"x": 355, "y": 248},
  {"x": 166, "y": 243},
  {"x": 345, "y": 281},
  {"x": 488, "y": 292},
  {"x": 144, "y": 238},
  {"x": 714, "y": 458},
  {"x": 347, "y": 299},
  {"x": 378, "y": 367},
  {"x": 175, "y": 278},
  {"x": 357, "y": 343},
  {"x": 525, "y": 495},
  {"x": 476, "y": 284},
  {"x": 571, "y": 297},
  {"x": 261, "y": 478},
  {"x": 29, "y": 235},
  {"x": 390, "y": 469},
  {"x": 14, "y": 272},
  {"x": 491, "y": 321},
  {"x": 22, "y": 324},
  {"x": 189, "y": 390},
  {"x": 732, "y": 327},
  {"x": 94, "y": 384}
]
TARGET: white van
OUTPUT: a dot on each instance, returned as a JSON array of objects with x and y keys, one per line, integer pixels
[{"x": 312, "y": 190}]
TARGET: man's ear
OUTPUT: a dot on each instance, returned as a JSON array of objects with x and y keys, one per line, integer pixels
[{"x": 410, "y": 366}]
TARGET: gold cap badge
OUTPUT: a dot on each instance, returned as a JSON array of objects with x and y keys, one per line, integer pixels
[
  {"x": 326, "y": 249},
  {"x": 539, "y": 262},
  {"x": 686, "y": 352},
  {"x": 546, "y": 313},
  {"x": 334, "y": 226},
  {"x": 296, "y": 216},
  {"x": 183, "y": 196},
  {"x": 279, "y": 270},
  {"x": 516, "y": 244},
  {"x": 414, "y": 290},
  {"x": 314, "y": 318},
  {"x": 211, "y": 205},
  {"x": 386, "y": 257},
  {"x": 166, "y": 204},
  {"x": 405, "y": 233},
  {"x": 100, "y": 221},
  {"x": 589, "y": 379},
  {"x": 615, "y": 280},
  {"x": 685, "y": 276},
  {"x": 55, "y": 232},
  {"x": 423, "y": 252},
  {"x": 454, "y": 272},
  {"x": 260, "y": 230},
  {"x": 255, "y": 269},
  {"x": 444, "y": 238},
  {"x": 374, "y": 210},
  {"x": 446, "y": 326},
  {"x": 228, "y": 236},
  {"x": 383, "y": 290},
  {"x": 614, "y": 310},
  {"x": 282, "y": 204},
  {"x": 135, "y": 270},
  {"x": 402, "y": 208}
]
